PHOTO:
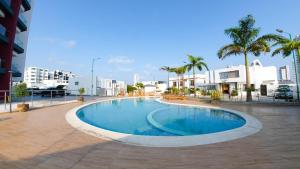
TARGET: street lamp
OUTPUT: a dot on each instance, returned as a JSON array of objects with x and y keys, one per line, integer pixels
[
  {"x": 294, "y": 58},
  {"x": 10, "y": 90},
  {"x": 93, "y": 61}
]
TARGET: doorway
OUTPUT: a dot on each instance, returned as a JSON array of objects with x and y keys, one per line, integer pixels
[
  {"x": 263, "y": 90},
  {"x": 225, "y": 88}
]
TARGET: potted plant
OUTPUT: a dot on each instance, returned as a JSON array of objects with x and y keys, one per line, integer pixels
[
  {"x": 20, "y": 92},
  {"x": 81, "y": 92}
]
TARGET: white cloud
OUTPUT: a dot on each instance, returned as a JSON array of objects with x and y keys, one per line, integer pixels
[
  {"x": 69, "y": 43},
  {"x": 61, "y": 42},
  {"x": 120, "y": 60}
]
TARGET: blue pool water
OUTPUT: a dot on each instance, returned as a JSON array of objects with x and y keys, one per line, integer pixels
[{"x": 149, "y": 117}]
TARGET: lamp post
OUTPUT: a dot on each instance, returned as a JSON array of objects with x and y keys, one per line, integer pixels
[
  {"x": 294, "y": 58},
  {"x": 10, "y": 90},
  {"x": 92, "y": 86}
]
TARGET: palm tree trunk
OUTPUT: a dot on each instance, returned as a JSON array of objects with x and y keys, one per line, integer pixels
[
  {"x": 248, "y": 85},
  {"x": 194, "y": 81}
]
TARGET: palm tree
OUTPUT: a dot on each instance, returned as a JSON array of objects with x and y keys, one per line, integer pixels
[
  {"x": 195, "y": 62},
  {"x": 167, "y": 69},
  {"x": 286, "y": 46},
  {"x": 179, "y": 72},
  {"x": 245, "y": 41}
]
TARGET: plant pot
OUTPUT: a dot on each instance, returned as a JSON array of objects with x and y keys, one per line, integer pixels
[
  {"x": 81, "y": 99},
  {"x": 22, "y": 107}
]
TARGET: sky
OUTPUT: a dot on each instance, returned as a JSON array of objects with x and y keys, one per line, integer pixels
[{"x": 140, "y": 36}]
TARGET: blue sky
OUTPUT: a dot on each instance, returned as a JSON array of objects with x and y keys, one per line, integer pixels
[{"x": 139, "y": 36}]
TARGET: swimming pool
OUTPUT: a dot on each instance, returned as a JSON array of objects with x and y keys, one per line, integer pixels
[
  {"x": 142, "y": 116},
  {"x": 151, "y": 122}
]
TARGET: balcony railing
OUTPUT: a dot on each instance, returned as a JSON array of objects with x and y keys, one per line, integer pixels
[
  {"x": 3, "y": 37},
  {"x": 26, "y": 4},
  {"x": 18, "y": 46},
  {"x": 6, "y": 4},
  {"x": 22, "y": 22}
]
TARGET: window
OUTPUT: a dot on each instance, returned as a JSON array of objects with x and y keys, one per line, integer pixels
[
  {"x": 76, "y": 83},
  {"x": 231, "y": 74},
  {"x": 192, "y": 82},
  {"x": 174, "y": 84}
]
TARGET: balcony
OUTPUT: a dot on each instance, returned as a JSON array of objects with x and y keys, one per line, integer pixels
[
  {"x": 5, "y": 5},
  {"x": 22, "y": 22},
  {"x": 16, "y": 74},
  {"x": 3, "y": 37},
  {"x": 18, "y": 46},
  {"x": 26, "y": 4}
]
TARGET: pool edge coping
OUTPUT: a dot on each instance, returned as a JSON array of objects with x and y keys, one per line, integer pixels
[{"x": 251, "y": 126}]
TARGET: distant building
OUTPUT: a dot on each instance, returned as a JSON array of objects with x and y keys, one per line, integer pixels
[
  {"x": 102, "y": 87},
  {"x": 284, "y": 73},
  {"x": 42, "y": 78},
  {"x": 136, "y": 79},
  {"x": 110, "y": 87},
  {"x": 35, "y": 76},
  {"x": 155, "y": 87}
]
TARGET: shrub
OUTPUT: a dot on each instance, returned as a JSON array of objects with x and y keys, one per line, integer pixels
[
  {"x": 234, "y": 93},
  {"x": 131, "y": 89},
  {"x": 174, "y": 90},
  {"x": 215, "y": 95},
  {"x": 21, "y": 91},
  {"x": 81, "y": 91}
]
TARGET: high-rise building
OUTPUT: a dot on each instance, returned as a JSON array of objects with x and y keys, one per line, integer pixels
[
  {"x": 284, "y": 73},
  {"x": 35, "y": 76},
  {"x": 15, "y": 16},
  {"x": 136, "y": 78}
]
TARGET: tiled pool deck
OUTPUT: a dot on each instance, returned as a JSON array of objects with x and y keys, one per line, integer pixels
[{"x": 42, "y": 139}]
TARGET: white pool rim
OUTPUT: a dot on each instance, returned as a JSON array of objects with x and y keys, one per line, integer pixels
[{"x": 251, "y": 126}]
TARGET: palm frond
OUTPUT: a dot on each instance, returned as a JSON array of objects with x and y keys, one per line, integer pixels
[{"x": 231, "y": 49}]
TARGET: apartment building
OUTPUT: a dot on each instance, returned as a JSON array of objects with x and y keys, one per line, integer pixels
[
  {"x": 15, "y": 16},
  {"x": 110, "y": 87},
  {"x": 36, "y": 77}
]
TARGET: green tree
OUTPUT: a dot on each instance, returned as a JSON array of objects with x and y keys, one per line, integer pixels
[
  {"x": 21, "y": 91},
  {"x": 179, "y": 72},
  {"x": 167, "y": 69},
  {"x": 198, "y": 63},
  {"x": 130, "y": 88},
  {"x": 245, "y": 41},
  {"x": 139, "y": 85}
]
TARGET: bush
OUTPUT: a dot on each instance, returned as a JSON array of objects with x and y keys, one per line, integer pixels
[
  {"x": 131, "y": 89},
  {"x": 21, "y": 91},
  {"x": 174, "y": 90},
  {"x": 215, "y": 95},
  {"x": 81, "y": 91},
  {"x": 234, "y": 93}
]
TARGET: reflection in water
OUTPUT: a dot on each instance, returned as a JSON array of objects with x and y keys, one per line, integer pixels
[{"x": 197, "y": 121}]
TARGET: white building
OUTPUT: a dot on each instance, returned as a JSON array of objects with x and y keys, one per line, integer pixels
[
  {"x": 102, "y": 87},
  {"x": 136, "y": 79},
  {"x": 42, "y": 78},
  {"x": 110, "y": 87},
  {"x": 262, "y": 79},
  {"x": 154, "y": 87},
  {"x": 35, "y": 76}
]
